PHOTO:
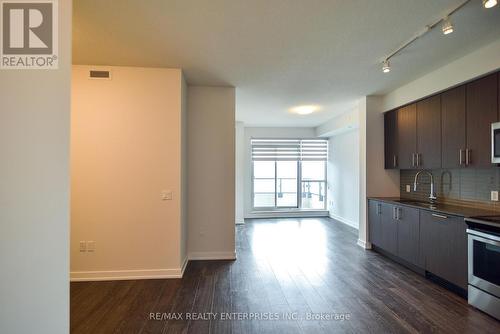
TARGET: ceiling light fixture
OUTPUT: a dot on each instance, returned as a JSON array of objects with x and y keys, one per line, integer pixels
[
  {"x": 386, "y": 67},
  {"x": 447, "y": 26},
  {"x": 305, "y": 110},
  {"x": 489, "y": 3},
  {"x": 447, "y": 29}
]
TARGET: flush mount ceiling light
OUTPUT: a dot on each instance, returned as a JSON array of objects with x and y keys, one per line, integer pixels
[
  {"x": 304, "y": 110},
  {"x": 489, "y": 3},
  {"x": 447, "y": 26},
  {"x": 386, "y": 67}
]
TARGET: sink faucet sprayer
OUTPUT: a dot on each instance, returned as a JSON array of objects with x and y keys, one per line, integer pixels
[{"x": 432, "y": 195}]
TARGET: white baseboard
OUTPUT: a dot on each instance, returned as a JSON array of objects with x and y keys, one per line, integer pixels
[
  {"x": 118, "y": 275},
  {"x": 288, "y": 214},
  {"x": 121, "y": 275},
  {"x": 212, "y": 256},
  {"x": 344, "y": 221},
  {"x": 364, "y": 244}
]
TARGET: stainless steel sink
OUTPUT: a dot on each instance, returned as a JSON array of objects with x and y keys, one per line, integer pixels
[{"x": 417, "y": 203}]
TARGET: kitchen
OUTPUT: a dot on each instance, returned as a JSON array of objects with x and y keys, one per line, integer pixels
[{"x": 445, "y": 224}]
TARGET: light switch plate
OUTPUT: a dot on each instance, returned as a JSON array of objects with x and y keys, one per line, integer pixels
[
  {"x": 408, "y": 188},
  {"x": 90, "y": 246},
  {"x": 166, "y": 195},
  {"x": 494, "y": 196}
]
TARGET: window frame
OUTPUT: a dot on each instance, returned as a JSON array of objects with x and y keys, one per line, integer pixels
[{"x": 299, "y": 182}]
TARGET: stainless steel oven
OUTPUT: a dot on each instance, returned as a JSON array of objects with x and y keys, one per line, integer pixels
[
  {"x": 495, "y": 143},
  {"x": 484, "y": 264}
]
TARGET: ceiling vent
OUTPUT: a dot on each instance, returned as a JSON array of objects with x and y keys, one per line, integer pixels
[{"x": 93, "y": 74}]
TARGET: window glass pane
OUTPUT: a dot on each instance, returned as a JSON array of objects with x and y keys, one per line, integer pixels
[
  {"x": 313, "y": 170},
  {"x": 263, "y": 200},
  {"x": 263, "y": 186},
  {"x": 263, "y": 169},
  {"x": 287, "y": 183},
  {"x": 313, "y": 195}
]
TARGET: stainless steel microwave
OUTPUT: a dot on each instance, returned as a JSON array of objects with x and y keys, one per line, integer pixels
[{"x": 495, "y": 143}]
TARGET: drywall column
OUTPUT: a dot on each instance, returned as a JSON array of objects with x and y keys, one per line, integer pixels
[
  {"x": 127, "y": 156},
  {"x": 374, "y": 180},
  {"x": 240, "y": 165},
  {"x": 34, "y": 193},
  {"x": 211, "y": 172}
]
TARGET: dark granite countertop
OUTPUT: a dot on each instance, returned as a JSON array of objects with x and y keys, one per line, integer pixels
[{"x": 456, "y": 210}]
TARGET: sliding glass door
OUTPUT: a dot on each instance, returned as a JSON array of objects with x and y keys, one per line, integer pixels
[{"x": 289, "y": 173}]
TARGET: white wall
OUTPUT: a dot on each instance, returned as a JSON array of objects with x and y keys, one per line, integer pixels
[
  {"x": 343, "y": 177},
  {"x": 240, "y": 173},
  {"x": 211, "y": 172},
  {"x": 126, "y": 148},
  {"x": 475, "y": 64},
  {"x": 265, "y": 132},
  {"x": 34, "y": 193}
]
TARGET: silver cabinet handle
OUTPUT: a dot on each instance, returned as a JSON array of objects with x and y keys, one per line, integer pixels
[
  {"x": 398, "y": 213},
  {"x": 395, "y": 162},
  {"x": 467, "y": 157},
  {"x": 413, "y": 160},
  {"x": 460, "y": 157},
  {"x": 440, "y": 216},
  {"x": 379, "y": 209},
  {"x": 418, "y": 159}
]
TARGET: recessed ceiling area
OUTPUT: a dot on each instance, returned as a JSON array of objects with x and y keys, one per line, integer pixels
[{"x": 281, "y": 53}]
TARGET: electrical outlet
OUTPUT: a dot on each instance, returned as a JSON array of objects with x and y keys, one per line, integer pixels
[
  {"x": 494, "y": 196},
  {"x": 90, "y": 246},
  {"x": 83, "y": 246},
  {"x": 408, "y": 188}
]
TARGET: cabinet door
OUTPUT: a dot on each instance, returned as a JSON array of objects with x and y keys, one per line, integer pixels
[
  {"x": 407, "y": 136},
  {"x": 389, "y": 236},
  {"x": 453, "y": 126},
  {"x": 460, "y": 241},
  {"x": 408, "y": 227},
  {"x": 444, "y": 252},
  {"x": 481, "y": 109},
  {"x": 374, "y": 213},
  {"x": 391, "y": 139},
  {"x": 429, "y": 132}
]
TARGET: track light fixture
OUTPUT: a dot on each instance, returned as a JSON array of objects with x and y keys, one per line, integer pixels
[
  {"x": 386, "y": 67},
  {"x": 489, "y": 3},
  {"x": 447, "y": 26}
]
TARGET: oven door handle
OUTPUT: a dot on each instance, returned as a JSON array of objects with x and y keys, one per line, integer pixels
[{"x": 484, "y": 235}]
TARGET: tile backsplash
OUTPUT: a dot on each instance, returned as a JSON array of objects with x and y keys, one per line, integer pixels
[{"x": 467, "y": 186}]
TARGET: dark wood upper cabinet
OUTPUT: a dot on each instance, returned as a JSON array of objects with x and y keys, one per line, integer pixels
[
  {"x": 454, "y": 128},
  {"x": 429, "y": 133},
  {"x": 481, "y": 111},
  {"x": 391, "y": 139},
  {"x": 407, "y": 136}
]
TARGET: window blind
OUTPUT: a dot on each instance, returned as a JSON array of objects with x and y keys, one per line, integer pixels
[{"x": 289, "y": 149}]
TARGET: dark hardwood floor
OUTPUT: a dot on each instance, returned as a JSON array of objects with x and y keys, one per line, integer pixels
[{"x": 287, "y": 269}]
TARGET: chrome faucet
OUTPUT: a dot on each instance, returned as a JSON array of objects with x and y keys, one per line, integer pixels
[{"x": 432, "y": 195}]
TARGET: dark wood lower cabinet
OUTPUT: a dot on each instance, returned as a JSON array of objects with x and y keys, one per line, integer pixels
[
  {"x": 431, "y": 241},
  {"x": 408, "y": 225},
  {"x": 374, "y": 215},
  {"x": 389, "y": 229}
]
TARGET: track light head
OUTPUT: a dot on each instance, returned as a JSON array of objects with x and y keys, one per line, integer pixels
[
  {"x": 489, "y": 3},
  {"x": 447, "y": 26},
  {"x": 386, "y": 67}
]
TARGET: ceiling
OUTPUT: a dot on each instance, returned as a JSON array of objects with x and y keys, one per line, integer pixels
[{"x": 280, "y": 53}]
